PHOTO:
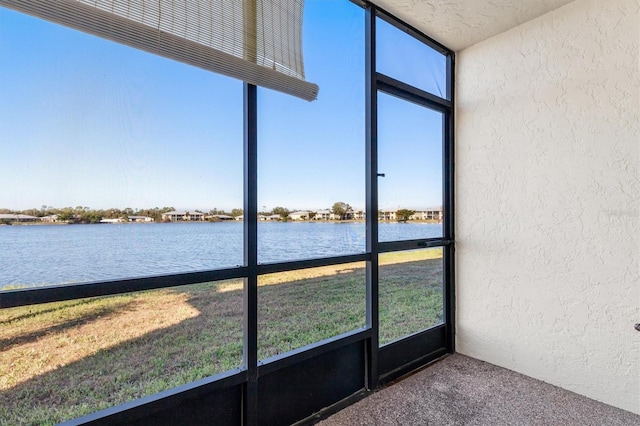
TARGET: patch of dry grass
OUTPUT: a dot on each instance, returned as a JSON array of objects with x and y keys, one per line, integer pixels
[
  {"x": 64, "y": 360},
  {"x": 56, "y": 337}
]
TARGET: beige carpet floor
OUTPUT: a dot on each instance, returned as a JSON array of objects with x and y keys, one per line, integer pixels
[{"x": 459, "y": 390}]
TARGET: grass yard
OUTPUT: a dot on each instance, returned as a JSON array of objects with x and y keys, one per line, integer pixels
[{"x": 63, "y": 360}]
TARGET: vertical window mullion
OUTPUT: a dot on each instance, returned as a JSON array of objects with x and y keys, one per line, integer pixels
[
  {"x": 371, "y": 93},
  {"x": 250, "y": 242},
  {"x": 449, "y": 208}
]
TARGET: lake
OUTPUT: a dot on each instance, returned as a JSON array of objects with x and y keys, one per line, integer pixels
[{"x": 57, "y": 254}]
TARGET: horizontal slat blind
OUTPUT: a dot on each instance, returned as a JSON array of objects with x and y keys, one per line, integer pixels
[{"x": 257, "y": 41}]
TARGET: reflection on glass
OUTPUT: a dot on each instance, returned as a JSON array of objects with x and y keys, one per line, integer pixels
[
  {"x": 144, "y": 152},
  {"x": 67, "y": 359},
  {"x": 410, "y": 156},
  {"x": 311, "y": 192},
  {"x": 297, "y": 308},
  {"x": 404, "y": 58},
  {"x": 411, "y": 292}
]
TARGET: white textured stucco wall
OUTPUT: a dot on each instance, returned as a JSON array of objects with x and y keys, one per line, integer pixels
[{"x": 548, "y": 217}]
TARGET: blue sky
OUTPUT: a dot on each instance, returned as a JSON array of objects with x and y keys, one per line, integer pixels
[{"x": 84, "y": 121}]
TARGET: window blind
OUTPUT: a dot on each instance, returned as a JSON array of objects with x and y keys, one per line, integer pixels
[{"x": 257, "y": 41}]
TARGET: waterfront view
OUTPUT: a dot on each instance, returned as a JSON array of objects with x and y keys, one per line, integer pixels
[{"x": 50, "y": 254}]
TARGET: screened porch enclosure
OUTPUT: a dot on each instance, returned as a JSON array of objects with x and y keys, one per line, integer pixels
[
  {"x": 323, "y": 266},
  {"x": 332, "y": 277}
]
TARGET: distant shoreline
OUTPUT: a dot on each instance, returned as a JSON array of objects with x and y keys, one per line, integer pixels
[
  {"x": 206, "y": 221},
  {"x": 34, "y": 223}
]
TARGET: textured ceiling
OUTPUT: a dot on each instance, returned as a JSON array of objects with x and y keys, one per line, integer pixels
[{"x": 462, "y": 23}]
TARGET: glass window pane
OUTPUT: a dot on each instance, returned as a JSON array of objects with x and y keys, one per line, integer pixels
[
  {"x": 67, "y": 359},
  {"x": 144, "y": 152},
  {"x": 297, "y": 308},
  {"x": 311, "y": 191},
  {"x": 404, "y": 58},
  {"x": 410, "y": 157},
  {"x": 411, "y": 292}
]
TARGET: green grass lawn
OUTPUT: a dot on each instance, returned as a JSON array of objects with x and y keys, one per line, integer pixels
[{"x": 63, "y": 360}]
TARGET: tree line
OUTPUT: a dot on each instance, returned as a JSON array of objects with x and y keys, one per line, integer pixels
[
  {"x": 83, "y": 214},
  {"x": 340, "y": 209}
]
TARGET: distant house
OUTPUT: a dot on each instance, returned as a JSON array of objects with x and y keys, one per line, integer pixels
[
  {"x": 325, "y": 215},
  {"x": 359, "y": 215},
  {"x": 18, "y": 217},
  {"x": 428, "y": 214},
  {"x": 304, "y": 215},
  {"x": 387, "y": 215},
  {"x": 185, "y": 216},
  {"x": 52, "y": 218},
  {"x": 431, "y": 214},
  {"x": 240, "y": 217},
  {"x": 140, "y": 219}
]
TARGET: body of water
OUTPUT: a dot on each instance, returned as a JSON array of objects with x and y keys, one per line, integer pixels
[{"x": 56, "y": 254}]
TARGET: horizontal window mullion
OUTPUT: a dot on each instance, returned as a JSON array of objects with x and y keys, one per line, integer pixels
[
  {"x": 412, "y": 244},
  {"x": 269, "y": 268},
  {"x": 59, "y": 293},
  {"x": 413, "y": 94},
  {"x": 304, "y": 353}
]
